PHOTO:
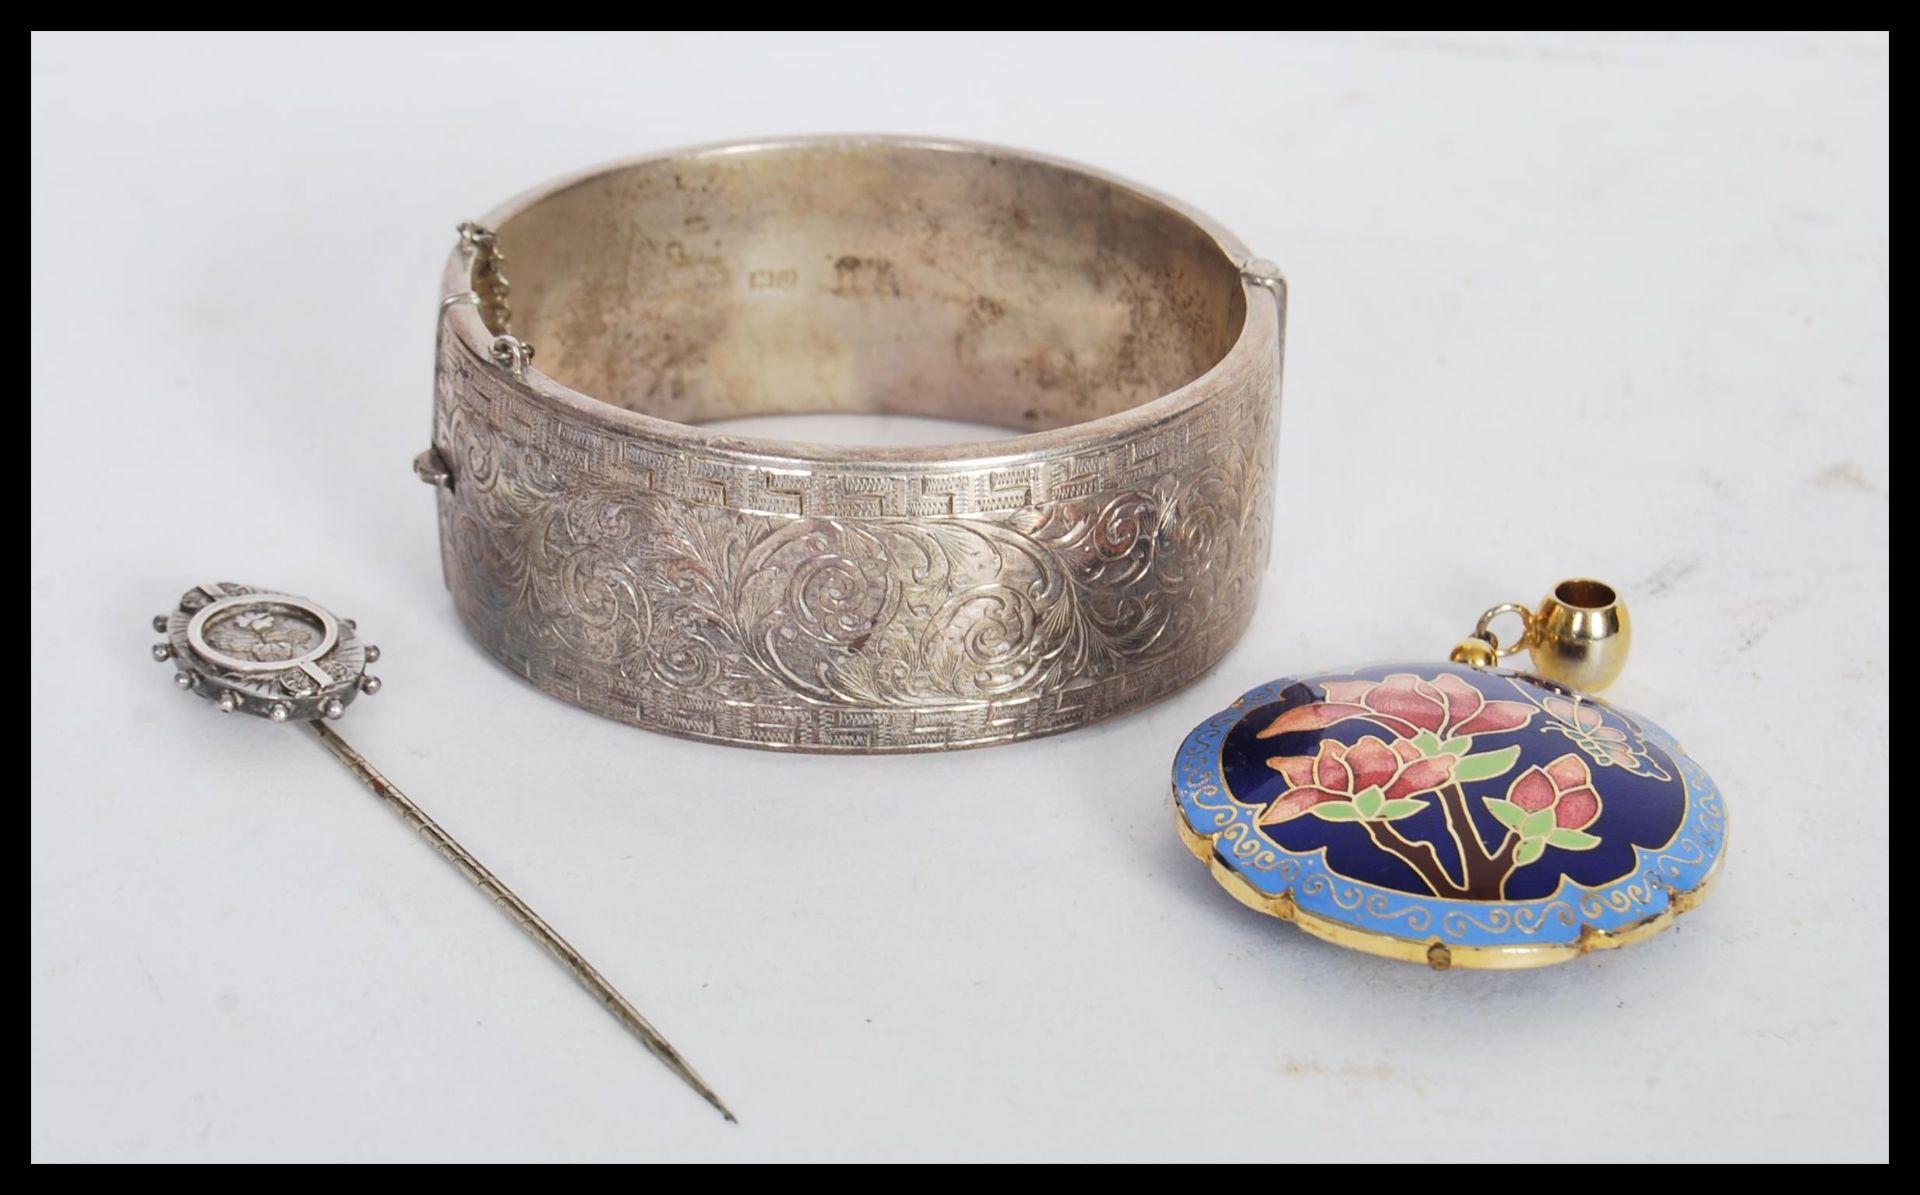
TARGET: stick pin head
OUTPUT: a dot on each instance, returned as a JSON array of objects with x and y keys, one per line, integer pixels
[{"x": 268, "y": 654}]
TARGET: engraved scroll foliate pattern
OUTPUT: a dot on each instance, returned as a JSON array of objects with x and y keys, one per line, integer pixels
[{"x": 569, "y": 570}]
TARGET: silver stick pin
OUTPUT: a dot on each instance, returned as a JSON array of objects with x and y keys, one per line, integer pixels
[{"x": 287, "y": 659}]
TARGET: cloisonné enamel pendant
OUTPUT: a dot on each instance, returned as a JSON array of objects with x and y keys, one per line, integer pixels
[{"x": 1458, "y": 814}]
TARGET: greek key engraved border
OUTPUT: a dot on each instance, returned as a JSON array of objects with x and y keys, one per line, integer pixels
[{"x": 870, "y": 606}]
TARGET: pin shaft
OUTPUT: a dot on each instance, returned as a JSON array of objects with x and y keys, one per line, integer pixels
[{"x": 514, "y": 907}]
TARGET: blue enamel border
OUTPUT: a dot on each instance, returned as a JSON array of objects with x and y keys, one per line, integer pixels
[{"x": 1558, "y": 919}]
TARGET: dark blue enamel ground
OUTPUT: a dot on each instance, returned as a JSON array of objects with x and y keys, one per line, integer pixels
[
  {"x": 1443, "y": 802},
  {"x": 1636, "y": 810}
]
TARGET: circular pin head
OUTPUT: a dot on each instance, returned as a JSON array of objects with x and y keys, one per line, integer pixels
[
  {"x": 1451, "y": 815},
  {"x": 269, "y": 654}
]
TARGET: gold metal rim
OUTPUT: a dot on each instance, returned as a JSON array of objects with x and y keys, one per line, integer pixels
[{"x": 1434, "y": 952}]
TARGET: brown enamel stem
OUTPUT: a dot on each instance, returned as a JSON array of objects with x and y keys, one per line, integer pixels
[
  {"x": 1417, "y": 855},
  {"x": 1485, "y": 874},
  {"x": 1503, "y": 861}
]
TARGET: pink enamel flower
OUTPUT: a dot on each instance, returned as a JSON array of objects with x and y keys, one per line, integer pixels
[
  {"x": 1564, "y": 786},
  {"x": 1445, "y": 706},
  {"x": 1342, "y": 773}
]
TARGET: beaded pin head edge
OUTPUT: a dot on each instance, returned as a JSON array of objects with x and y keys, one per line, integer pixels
[{"x": 272, "y": 655}]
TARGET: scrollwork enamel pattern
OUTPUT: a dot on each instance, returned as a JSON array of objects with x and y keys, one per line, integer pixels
[
  {"x": 1428, "y": 791},
  {"x": 868, "y": 601}
]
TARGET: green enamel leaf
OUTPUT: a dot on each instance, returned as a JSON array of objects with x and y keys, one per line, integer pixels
[
  {"x": 1538, "y": 824},
  {"x": 1336, "y": 811},
  {"x": 1459, "y": 745},
  {"x": 1486, "y": 765},
  {"x": 1428, "y": 742},
  {"x": 1404, "y": 807},
  {"x": 1573, "y": 840},
  {"x": 1529, "y": 850},
  {"x": 1507, "y": 813},
  {"x": 1369, "y": 802}
]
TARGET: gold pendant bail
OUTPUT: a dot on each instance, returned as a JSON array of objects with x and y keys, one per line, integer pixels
[{"x": 1579, "y": 636}]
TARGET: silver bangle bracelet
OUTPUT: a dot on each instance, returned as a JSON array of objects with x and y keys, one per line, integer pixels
[{"x": 825, "y": 598}]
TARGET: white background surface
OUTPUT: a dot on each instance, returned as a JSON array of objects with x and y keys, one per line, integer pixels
[{"x": 1633, "y": 287}]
